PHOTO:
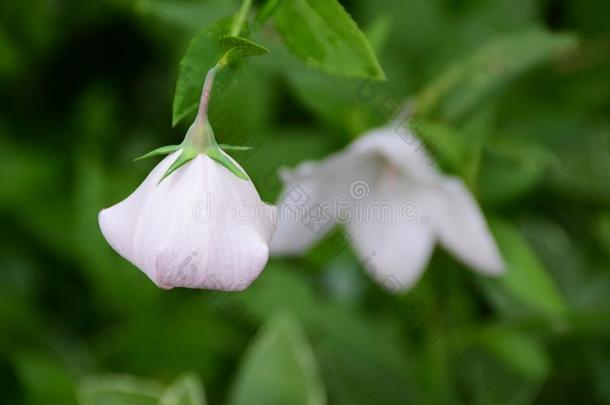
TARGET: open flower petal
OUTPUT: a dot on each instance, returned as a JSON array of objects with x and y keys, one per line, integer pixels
[
  {"x": 385, "y": 169},
  {"x": 391, "y": 240},
  {"x": 308, "y": 208},
  {"x": 462, "y": 228},
  {"x": 402, "y": 149}
]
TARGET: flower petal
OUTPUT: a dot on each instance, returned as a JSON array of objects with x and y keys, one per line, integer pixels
[
  {"x": 392, "y": 242},
  {"x": 199, "y": 228},
  {"x": 401, "y": 148},
  {"x": 461, "y": 226},
  {"x": 309, "y": 205}
]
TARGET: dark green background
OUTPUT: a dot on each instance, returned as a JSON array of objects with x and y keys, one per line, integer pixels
[{"x": 85, "y": 86}]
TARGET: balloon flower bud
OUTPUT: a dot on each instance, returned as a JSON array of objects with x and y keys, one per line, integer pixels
[{"x": 197, "y": 220}]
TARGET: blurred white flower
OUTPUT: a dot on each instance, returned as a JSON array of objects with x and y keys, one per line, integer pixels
[
  {"x": 185, "y": 225},
  {"x": 395, "y": 205}
]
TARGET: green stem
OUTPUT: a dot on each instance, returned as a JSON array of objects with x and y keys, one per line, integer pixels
[
  {"x": 206, "y": 92},
  {"x": 241, "y": 17}
]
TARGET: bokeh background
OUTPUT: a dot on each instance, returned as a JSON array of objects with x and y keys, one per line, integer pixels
[{"x": 85, "y": 86}]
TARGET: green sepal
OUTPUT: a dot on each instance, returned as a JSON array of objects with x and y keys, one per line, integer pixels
[
  {"x": 186, "y": 156},
  {"x": 224, "y": 146},
  {"x": 238, "y": 47},
  {"x": 163, "y": 150},
  {"x": 219, "y": 156}
]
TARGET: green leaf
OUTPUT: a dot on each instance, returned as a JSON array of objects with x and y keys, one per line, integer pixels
[
  {"x": 221, "y": 157},
  {"x": 526, "y": 281},
  {"x": 186, "y": 390},
  {"x": 119, "y": 390},
  {"x": 323, "y": 34},
  {"x": 238, "y": 47},
  {"x": 469, "y": 82},
  {"x": 186, "y": 156},
  {"x": 208, "y": 48},
  {"x": 163, "y": 150},
  {"x": 279, "y": 368},
  {"x": 348, "y": 104}
]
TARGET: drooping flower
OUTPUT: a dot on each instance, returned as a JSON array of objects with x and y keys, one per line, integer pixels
[
  {"x": 394, "y": 204},
  {"x": 197, "y": 220}
]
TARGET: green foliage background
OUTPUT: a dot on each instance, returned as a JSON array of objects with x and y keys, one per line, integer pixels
[{"x": 512, "y": 95}]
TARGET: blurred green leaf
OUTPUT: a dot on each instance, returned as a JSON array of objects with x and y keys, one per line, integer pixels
[
  {"x": 526, "y": 281},
  {"x": 266, "y": 10},
  {"x": 378, "y": 32},
  {"x": 468, "y": 83},
  {"x": 579, "y": 268},
  {"x": 186, "y": 390},
  {"x": 352, "y": 348},
  {"x": 285, "y": 149},
  {"x": 584, "y": 172},
  {"x": 511, "y": 169},
  {"x": 444, "y": 144},
  {"x": 119, "y": 390},
  {"x": 517, "y": 350},
  {"x": 44, "y": 379},
  {"x": 202, "y": 333},
  {"x": 323, "y": 34},
  {"x": 335, "y": 101},
  {"x": 355, "y": 379},
  {"x": 185, "y": 14},
  {"x": 279, "y": 368},
  {"x": 486, "y": 379}
]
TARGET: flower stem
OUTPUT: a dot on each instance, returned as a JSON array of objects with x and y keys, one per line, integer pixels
[
  {"x": 206, "y": 93},
  {"x": 240, "y": 18},
  {"x": 238, "y": 23}
]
